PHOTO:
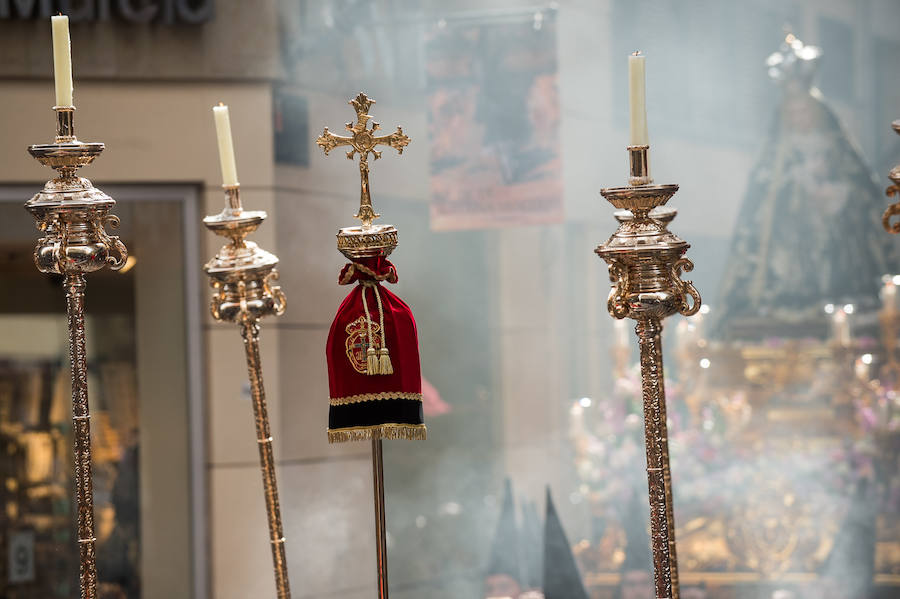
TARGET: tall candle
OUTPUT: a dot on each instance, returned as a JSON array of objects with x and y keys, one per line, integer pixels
[
  {"x": 637, "y": 99},
  {"x": 621, "y": 329},
  {"x": 889, "y": 296},
  {"x": 226, "y": 145},
  {"x": 697, "y": 320},
  {"x": 841, "y": 327},
  {"x": 62, "y": 60},
  {"x": 861, "y": 367},
  {"x": 683, "y": 334}
]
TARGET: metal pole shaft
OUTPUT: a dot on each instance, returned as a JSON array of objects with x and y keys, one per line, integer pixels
[
  {"x": 81, "y": 420},
  {"x": 667, "y": 475},
  {"x": 662, "y": 526},
  {"x": 380, "y": 529},
  {"x": 250, "y": 333}
]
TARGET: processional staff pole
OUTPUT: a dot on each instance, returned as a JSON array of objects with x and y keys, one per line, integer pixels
[
  {"x": 72, "y": 214},
  {"x": 396, "y": 412},
  {"x": 380, "y": 522},
  {"x": 645, "y": 265},
  {"x": 243, "y": 278},
  {"x": 894, "y": 189}
]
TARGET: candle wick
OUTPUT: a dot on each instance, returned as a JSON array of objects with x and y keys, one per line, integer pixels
[
  {"x": 221, "y": 103},
  {"x": 636, "y": 53}
]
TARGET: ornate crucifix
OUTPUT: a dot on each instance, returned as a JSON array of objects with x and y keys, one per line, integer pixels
[{"x": 363, "y": 142}]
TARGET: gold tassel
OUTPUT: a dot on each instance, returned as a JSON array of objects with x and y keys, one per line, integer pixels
[
  {"x": 409, "y": 432},
  {"x": 372, "y": 364},
  {"x": 384, "y": 362},
  {"x": 384, "y": 358}
]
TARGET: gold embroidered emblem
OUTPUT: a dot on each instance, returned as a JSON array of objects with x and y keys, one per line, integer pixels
[{"x": 358, "y": 342}]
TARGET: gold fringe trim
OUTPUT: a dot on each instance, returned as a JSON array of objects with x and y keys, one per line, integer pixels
[
  {"x": 351, "y": 399},
  {"x": 409, "y": 432}
]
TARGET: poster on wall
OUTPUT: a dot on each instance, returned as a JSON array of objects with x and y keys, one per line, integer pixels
[{"x": 494, "y": 116}]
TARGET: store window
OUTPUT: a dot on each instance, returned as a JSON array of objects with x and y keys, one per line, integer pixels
[{"x": 142, "y": 459}]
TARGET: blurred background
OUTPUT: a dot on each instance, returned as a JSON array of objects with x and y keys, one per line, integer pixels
[{"x": 784, "y": 419}]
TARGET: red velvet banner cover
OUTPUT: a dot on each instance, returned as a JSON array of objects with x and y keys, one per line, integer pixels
[{"x": 378, "y": 393}]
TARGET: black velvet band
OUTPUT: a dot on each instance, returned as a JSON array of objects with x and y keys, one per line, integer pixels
[{"x": 371, "y": 413}]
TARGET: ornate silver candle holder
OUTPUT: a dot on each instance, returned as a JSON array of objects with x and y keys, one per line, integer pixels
[
  {"x": 646, "y": 261},
  {"x": 72, "y": 214},
  {"x": 243, "y": 276}
]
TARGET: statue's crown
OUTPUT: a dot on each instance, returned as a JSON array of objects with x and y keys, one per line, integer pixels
[{"x": 794, "y": 60}]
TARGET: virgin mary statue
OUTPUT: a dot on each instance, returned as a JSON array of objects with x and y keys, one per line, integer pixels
[{"x": 808, "y": 232}]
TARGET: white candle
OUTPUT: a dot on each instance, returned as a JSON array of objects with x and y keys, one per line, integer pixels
[
  {"x": 682, "y": 334},
  {"x": 862, "y": 370},
  {"x": 62, "y": 60},
  {"x": 637, "y": 99},
  {"x": 697, "y": 321},
  {"x": 841, "y": 328},
  {"x": 621, "y": 329},
  {"x": 226, "y": 145},
  {"x": 889, "y": 296}
]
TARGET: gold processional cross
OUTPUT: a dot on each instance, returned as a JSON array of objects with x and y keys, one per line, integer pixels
[{"x": 363, "y": 142}]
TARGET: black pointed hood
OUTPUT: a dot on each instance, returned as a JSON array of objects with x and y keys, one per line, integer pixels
[
  {"x": 505, "y": 548},
  {"x": 562, "y": 579}
]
